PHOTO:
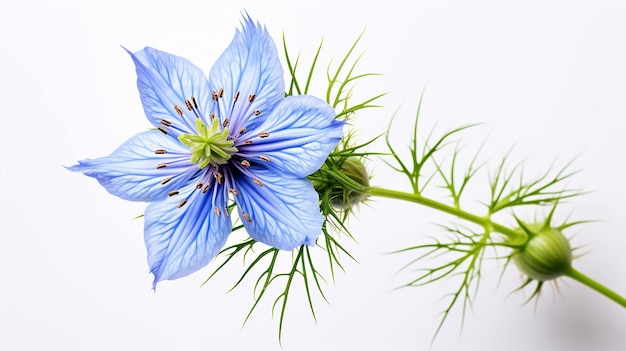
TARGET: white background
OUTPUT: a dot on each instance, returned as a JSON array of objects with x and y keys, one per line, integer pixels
[{"x": 547, "y": 76}]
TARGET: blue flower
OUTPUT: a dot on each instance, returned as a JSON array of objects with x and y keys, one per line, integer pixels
[{"x": 234, "y": 136}]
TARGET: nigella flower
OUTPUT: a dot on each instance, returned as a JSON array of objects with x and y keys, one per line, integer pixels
[{"x": 235, "y": 136}]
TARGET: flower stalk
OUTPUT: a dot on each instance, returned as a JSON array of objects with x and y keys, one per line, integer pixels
[
  {"x": 483, "y": 221},
  {"x": 590, "y": 283}
]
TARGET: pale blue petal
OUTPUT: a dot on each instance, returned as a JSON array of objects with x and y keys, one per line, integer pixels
[
  {"x": 302, "y": 132},
  {"x": 135, "y": 171},
  {"x": 184, "y": 233},
  {"x": 283, "y": 213},
  {"x": 166, "y": 81},
  {"x": 250, "y": 65}
]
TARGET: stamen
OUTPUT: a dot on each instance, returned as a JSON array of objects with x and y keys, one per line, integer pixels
[
  {"x": 218, "y": 176},
  {"x": 161, "y": 165},
  {"x": 195, "y": 103},
  {"x": 182, "y": 203},
  {"x": 206, "y": 188},
  {"x": 225, "y": 123},
  {"x": 264, "y": 158},
  {"x": 188, "y": 104},
  {"x": 166, "y": 180},
  {"x": 172, "y": 193},
  {"x": 264, "y": 134},
  {"x": 242, "y": 130},
  {"x": 217, "y": 211},
  {"x": 257, "y": 112},
  {"x": 245, "y": 163},
  {"x": 166, "y": 123},
  {"x": 226, "y": 211},
  {"x": 248, "y": 142},
  {"x": 220, "y": 93},
  {"x": 199, "y": 186},
  {"x": 237, "y": 96},
  {"x": 247, "y": 217},
  {"x": 214, "y": 95},
  {"x": 233, "y": 191},
  {"x": 212, "y": 115},
  {"x": 251, "y": 97},
  {"x": 257, "y": 182},
  {"x": 160, "y": 152},
  {"x": 178, "y": 110},
  {"x": 162, "y": 130}
]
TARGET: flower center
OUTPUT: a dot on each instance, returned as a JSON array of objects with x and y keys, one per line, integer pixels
[{"x": 209, "y": 146}]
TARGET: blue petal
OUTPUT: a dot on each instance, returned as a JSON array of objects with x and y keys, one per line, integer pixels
[
  {"x": 283, "y": 213},
  {"x": 184, "y": 233},
  {"x": 135, "y": 172},
  {"x": 250, "y": 65},
  {"x": 165, "y": 81},
  {"x": 302, "y": 132}
]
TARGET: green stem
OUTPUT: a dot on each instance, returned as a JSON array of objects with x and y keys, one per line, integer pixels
[
  {"x": 585, "y": 280},
  {"x": 485, "y": 222}
]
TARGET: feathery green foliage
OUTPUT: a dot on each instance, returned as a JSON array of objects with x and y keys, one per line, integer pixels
[{"x": 460, "y": 254}]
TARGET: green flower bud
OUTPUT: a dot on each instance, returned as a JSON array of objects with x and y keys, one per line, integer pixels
[
  {"x": 546, "y": 255},
  {"x": 344, "y": 196},
  {"x": 341, "y": 182}
]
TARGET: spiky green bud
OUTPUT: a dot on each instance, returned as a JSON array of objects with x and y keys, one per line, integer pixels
[
  {"x": 342, "y": 182},
  {"x": 546, "y": 255},
  {"x": 344, "y": 197}
]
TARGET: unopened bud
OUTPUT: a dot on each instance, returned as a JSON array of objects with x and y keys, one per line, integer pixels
[
  {"x": 344, "y": 196},
  {"x": 546, "y": 255}
]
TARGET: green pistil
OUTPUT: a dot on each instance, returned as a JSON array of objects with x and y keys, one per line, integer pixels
[{"x": 209, "y": 146}]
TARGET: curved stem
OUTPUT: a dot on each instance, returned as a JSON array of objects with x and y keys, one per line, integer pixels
[
  {"x": 585, "y": 280},
  {"x": 457, "y": 212}
]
